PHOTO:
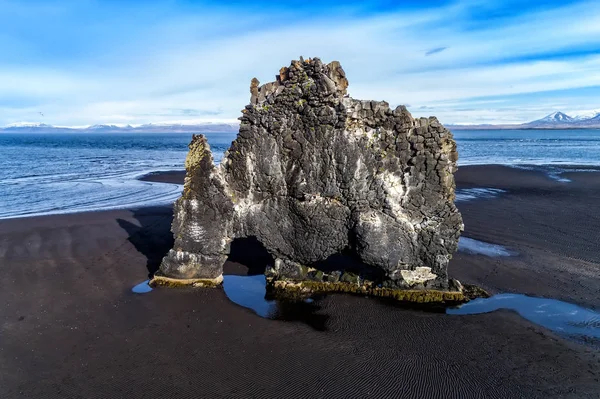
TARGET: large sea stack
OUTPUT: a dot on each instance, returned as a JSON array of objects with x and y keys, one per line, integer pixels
[{"x": 315, "y": 173}]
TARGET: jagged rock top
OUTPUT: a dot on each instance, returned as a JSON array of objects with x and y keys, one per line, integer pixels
[
  {"x": 313, "y": 173},
  {"x": 331, "y": 80}
]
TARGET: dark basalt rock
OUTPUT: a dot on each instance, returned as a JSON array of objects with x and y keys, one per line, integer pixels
[{"x": 313, "y": 173}]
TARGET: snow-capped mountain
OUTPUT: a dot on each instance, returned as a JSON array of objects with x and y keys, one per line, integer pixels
[
  {"x": 560, "y": 120},
  {"x": 583, "y": 115},
  {"x": 201, "y": 127},
  {"x": 556, "y": 120},
  {"x": 18, "y": 125},
  {"x": 556, "y": 117},
  {"x": 104, "y": 127}
]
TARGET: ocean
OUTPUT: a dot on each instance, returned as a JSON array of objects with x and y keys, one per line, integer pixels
[{"x": 63, "y": 173}]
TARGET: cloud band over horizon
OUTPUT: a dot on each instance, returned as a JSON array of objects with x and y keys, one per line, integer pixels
[{"x": 467, "y": 61}]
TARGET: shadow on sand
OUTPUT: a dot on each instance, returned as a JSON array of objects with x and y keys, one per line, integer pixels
[
  {"x": 248, "y": 259},
  {"x": 152, "y": 237}
]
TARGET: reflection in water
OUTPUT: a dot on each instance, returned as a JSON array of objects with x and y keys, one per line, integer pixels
[
  {"x": 250, "y": 292},
  {"x": 562, "y": 317},
  {"x": 142, "y": 287},
  {"x": 472, "y": 246}
]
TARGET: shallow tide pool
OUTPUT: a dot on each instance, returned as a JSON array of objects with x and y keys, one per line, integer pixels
[
  {"x": 561, "y": 317},
  {"x": 469, "y": 194},
  {"x": 469, "y": 245},
  {"x": 564, "y": 318},
  {"x": 142, "y": 287},
  {"x": 249, "y": 292}
]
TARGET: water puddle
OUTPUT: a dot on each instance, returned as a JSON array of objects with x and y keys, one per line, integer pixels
[
  {"x": 555, "y": 172},
  {"x": 469, "y": 245},
  {"x": 469, "y": 194},
  {"x": 249, "y": 292},
  {"x": 557, "y": 176},
  {"x": 142, "y": 287},
  {"x": 561, "y": 317}
]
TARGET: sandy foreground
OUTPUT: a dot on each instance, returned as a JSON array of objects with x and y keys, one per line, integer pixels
[{"x": 71, "y": 327}]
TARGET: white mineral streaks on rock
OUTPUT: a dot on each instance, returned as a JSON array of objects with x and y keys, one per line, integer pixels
[{"x": 418, "y": 276}]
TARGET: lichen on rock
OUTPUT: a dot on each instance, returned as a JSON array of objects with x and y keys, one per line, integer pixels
[{"x": 313, "y": 173}]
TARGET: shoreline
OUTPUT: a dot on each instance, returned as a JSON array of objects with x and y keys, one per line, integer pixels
[
  {"x": 177, "y": 176},
  {"x": 174, "y": 176}
]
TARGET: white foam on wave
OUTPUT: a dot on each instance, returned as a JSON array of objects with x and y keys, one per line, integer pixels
[
  {"x": 57, "y": 174},
  {"x": 84, "y": 196},
  {"x": 68, "y": 192}
]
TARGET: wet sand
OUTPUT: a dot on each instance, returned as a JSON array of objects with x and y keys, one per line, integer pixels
[
  {"x": 71, "y": 327},
  {"x": 172, "y": 176},
  {"x": 553, "y": 226}
]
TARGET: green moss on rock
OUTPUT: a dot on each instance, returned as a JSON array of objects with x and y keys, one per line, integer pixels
[
  {"x": 301, "y": 289},
  {"x": 351, "y": 278},
  {"x": 472, "y": 291}
]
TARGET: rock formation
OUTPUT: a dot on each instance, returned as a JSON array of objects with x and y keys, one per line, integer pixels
[{"x": 314, "y": 173}]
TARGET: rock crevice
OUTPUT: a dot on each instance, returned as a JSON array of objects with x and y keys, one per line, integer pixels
[{"x": 313, "y": 173}]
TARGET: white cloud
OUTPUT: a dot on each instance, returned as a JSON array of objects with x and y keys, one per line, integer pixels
[{"x": 181, "y": 65}]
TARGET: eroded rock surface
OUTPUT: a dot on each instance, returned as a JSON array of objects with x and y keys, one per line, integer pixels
[{"x": 313, "y": 173}]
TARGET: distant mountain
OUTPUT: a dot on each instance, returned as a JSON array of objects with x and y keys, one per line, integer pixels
[
  {"x": 102, "y": 128},
  {"x": 560, "y": 120},
  {"x": 587, "y": 115},
  {"x": 147, "y": 128},
  {"x": 15, "y": 127},
  {"x": 556, "y": 117},
  {"x": 556, "y": 120}
]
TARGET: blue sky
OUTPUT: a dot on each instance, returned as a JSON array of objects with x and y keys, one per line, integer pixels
[{"x": 83, "y": 62}]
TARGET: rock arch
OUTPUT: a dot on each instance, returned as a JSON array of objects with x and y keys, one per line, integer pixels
[{"x": 313, "y": 172}]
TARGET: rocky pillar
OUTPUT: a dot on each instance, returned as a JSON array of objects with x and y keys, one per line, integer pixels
[{"x": 201, "y": 219}]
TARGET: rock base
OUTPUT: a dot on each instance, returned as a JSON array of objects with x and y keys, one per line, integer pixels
[
  {"x": 304, "y": 289},
  {"x": 163, "y": 281}
]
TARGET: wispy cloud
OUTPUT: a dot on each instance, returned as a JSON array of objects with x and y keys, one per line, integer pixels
[
  {"x": 137, "y": 62},
  {"x": 435, "y": 50}
]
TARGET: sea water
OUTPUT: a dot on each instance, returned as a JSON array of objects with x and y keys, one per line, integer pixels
[
  {"x": 73, "y": 172},
  {"x": 528, "y": 147}
]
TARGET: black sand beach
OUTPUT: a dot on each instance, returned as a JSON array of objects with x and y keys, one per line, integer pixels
[
  {"x": 71, "y": 327},
  {"x": 171, "y": 176},
  {"x": 553, "y": 225}
]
